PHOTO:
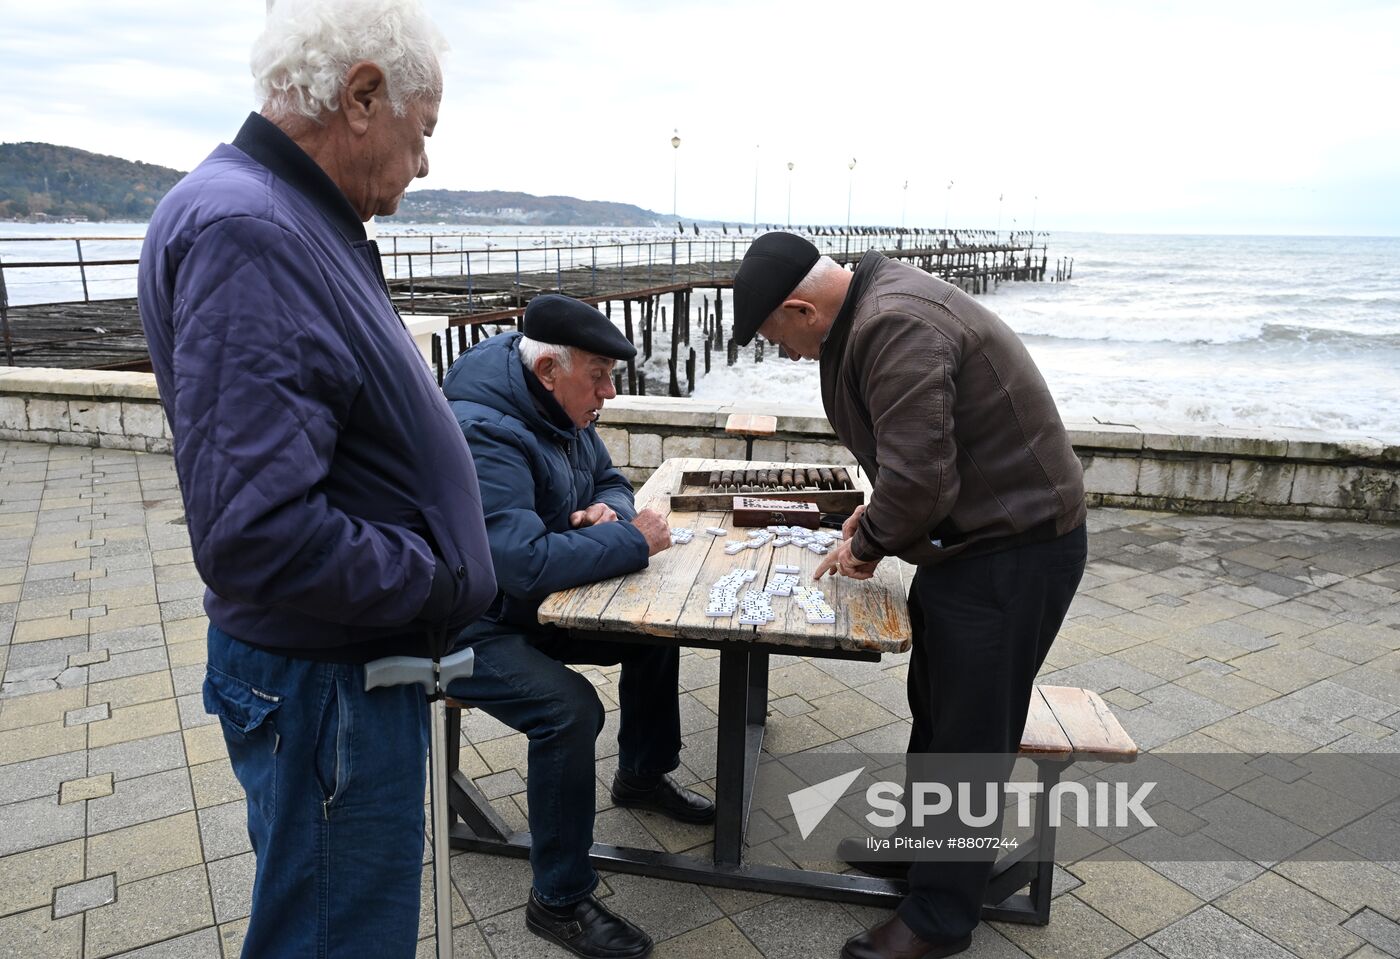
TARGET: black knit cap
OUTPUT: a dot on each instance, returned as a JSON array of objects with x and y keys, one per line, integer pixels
[
  {"x": 775, "y": 264},
  {"x": 563, "y": 320}
]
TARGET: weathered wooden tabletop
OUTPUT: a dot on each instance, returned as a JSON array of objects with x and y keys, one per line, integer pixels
[{"x": 668, "y": 598}]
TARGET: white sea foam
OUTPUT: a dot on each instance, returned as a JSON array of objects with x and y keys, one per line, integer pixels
[{"x": 1232, "y": 331}]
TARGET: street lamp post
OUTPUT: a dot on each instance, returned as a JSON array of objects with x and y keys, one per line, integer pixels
[
  {"x": 948, "y": 199},
  {"x": 675, "y": 167},
  {"x": 904, "y": 206},
  {"x": 755, "y": 186},
  {"x": 997, "y": 238},
  {"x": 850, "y": 185},
  {"x": 789, "y": 215},
  {"x": 1035, "y": 202}
]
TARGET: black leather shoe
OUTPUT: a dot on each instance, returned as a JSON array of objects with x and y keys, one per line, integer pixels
[
  {"x": 892, "y": 939},
  {"x": 856, "y": 853},
  {"x": 588, "y": 929},
  {"x": 665, "y": 797}
]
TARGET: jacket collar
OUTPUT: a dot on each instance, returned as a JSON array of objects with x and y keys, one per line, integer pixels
[
  {"x": 265, "y": 142},
  {"x": 834, "y": 343}
]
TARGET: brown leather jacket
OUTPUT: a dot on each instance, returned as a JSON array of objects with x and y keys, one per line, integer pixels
[{"x": 941, "y": 404}]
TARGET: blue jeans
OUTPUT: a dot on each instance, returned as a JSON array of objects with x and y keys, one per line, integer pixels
[
  {"x": 521, "y": 679},
  {"x": 335, "y": 780}
]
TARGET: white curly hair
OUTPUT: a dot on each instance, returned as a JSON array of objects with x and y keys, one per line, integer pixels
[{"x": 300, "y": 60}]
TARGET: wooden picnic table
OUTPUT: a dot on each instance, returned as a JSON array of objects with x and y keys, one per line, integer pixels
[
  {"x": 668, "y": 598},
  {"x": 665, "y": 603}
]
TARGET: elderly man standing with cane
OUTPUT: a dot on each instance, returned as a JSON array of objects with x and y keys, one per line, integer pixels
[
  {"x": 974, "y": 481},
  {"x": 332, "y": 502}
]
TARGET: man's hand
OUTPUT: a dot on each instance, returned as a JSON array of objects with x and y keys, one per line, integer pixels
[
  {"x": 595, "y": 514},
  {"x": 654, "y": 528},
  {"x": 848, "y": 528},
  {"x": 841, "y": 560}
]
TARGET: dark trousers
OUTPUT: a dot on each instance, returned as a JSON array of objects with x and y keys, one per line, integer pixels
[
  {"x": 521, "y": 678},
  {"x": 982, "y": 627}
]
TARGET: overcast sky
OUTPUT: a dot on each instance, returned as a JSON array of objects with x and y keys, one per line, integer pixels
[{"x": 1222, "y": 117}]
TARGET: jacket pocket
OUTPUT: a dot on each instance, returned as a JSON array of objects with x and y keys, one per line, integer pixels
[
  {"x": 442, "y": 545},
  {"x": 246, "y": 714}
]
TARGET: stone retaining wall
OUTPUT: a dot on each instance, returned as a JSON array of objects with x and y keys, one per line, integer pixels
[{"x": 1275, "y": 473}]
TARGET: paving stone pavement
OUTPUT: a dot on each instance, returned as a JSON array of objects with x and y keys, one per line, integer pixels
[{"x": 122, "y": 826}]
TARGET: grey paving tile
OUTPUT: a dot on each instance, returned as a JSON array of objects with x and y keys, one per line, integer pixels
[
  {"x": 1102, "y": 674},
  {"x": 126, "y": 640},
  {"x": 88, "y": 714},
  {"x": 664, "y": 909},
  {"x": 48, "y": 652},
  {"x": 203, "y": 944},
  {"x": 231, "y": 884},
  {"x": 25, "y": 680},
  {"x": 1206, "y": 879},
  {"x": 1315, "y": 712},
  {"x": 64, "y": 570},
  {"x": 1376, "y": 929},
  {"x": 192, "y": 714},
  {"x": 491, "y": 885},
  {"x": 500, "y": 784},
  {"x": 139, "y": 757},
  {"x": 141, "y": 800},
  {"x": 56, "y": 586},
  {"x": 188, "y": 679},
  {"x": 223, "y": 829},
  {"x": 39, "y": 822},
  {"x": 797, "y": 928},
  {"x": 130, "y": 664},
  {"x": 82, "y": 896},
  {"x": 156, "y": 909},
  {"x": 39, "y": 777},
  {"x": 1209, "y": 932}
]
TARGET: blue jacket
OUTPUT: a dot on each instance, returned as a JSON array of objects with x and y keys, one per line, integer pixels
[
  {"x": 332, "y": 503},
  {"x": 533, "y": 475}
]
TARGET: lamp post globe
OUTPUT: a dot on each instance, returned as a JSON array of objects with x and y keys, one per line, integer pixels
[
  {"x": 675, "y": 167},
  {"x": 789, "y": 212}
]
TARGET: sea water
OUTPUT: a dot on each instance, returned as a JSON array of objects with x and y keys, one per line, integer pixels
[
  {"x": 1237, "y": 331},
  {"x": 1203, "y": 330}
]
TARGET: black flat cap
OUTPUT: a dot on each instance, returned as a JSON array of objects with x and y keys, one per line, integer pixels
[
  {"x": 553, "y": 318},
  {"x": 775, "y": 263}
]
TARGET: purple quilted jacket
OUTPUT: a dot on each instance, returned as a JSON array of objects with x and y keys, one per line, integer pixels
[{"x": 332, "y": 501}]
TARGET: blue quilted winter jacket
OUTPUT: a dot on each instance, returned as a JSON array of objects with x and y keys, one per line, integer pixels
[
  {"x": 332, "y": 502},
  {"x": 533, "y": 475}
]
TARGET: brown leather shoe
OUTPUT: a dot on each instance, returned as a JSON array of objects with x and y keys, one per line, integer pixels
[{"x": 894, "y": 940}]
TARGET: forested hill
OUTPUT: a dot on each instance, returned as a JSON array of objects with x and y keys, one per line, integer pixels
[
  {"x": 499, "y": 207},
  {"x": 43, "y": 180}
]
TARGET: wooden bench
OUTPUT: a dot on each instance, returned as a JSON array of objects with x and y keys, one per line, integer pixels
[
  {"x": 1063, "y": 725},
  {"x": 751, "y": 426}
]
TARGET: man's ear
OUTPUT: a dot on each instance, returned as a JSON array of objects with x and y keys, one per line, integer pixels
[
  {"x": 804, "y": 310},
  {"x": 365, "y": 94},
  {"x": 546, "y": 369}
]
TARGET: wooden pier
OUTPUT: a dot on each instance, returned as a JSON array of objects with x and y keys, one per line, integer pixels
[{"x": 489, "y": 289}]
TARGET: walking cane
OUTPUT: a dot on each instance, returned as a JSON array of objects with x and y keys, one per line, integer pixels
[{"x": 434, "y": 675}]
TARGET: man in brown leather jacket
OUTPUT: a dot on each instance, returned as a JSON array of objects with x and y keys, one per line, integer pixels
[{"x": 974, "y": 481}]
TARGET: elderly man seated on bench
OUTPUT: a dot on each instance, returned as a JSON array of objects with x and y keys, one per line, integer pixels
[{"x": 558, "y": 515}]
